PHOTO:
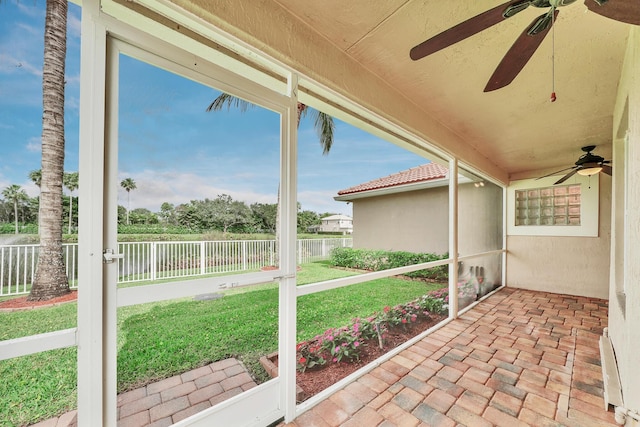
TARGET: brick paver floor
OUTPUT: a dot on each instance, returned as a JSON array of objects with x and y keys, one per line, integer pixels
[
  {"x": 173, "y": 399},
  {"x": 519, "y": 358}
]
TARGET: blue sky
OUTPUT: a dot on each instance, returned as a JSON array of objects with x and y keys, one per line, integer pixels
[{"x": 171, "y": 147}]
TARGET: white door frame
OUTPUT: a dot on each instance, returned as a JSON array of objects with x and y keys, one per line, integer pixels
[{"x": 103, "y": 39}]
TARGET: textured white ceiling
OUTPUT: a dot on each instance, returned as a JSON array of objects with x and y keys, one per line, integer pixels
[{"x": 516, "y": 127}]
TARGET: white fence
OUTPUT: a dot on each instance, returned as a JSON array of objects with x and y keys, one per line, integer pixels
[{"x": 150, "y": 261}]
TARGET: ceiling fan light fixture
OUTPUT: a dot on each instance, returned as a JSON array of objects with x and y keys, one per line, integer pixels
[{"x": 590, "y": 171}]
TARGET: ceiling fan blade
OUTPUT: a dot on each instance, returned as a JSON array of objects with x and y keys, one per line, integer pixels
[
  {"x": 566, "y": 177},
  {"x": 518, "y": 55},
  {"x": 467, "y": 28},
  {"x": 607, "y": 169},
  {"x": 556, "y": 172},
  {"x": 620, "y": 10}
]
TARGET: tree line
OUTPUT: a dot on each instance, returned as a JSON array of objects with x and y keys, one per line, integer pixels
[
  {"x": 17, "y": 207},
  {"x": 221, "y": 213}
]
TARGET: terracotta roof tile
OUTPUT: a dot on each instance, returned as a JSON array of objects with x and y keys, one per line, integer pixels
[{"x": 427, "y": 172}]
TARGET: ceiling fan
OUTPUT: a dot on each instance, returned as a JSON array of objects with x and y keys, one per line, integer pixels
[
  {"x": 524, "y": 47},
  {"x": 588, "y": 164}
]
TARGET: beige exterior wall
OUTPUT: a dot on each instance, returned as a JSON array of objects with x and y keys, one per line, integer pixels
[
  {"x": 624, "y": 289},
  {"x": 566, "y": 265},
  {"x": 414, "y": 221},
  {"x": 418, "y": 221}
]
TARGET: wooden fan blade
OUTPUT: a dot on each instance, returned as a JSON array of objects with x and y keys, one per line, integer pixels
[
  {"x": 620, "y": 10},
  {"x": 518, "y": 56},
  {"x": 566, "y": 177},
  {"x": 607, "y": 169},
  {"x": 465, "y": 29},
  {"x": 556, "y": 172}
]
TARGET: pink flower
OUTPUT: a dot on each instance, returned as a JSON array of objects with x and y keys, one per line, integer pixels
[
  {"x": 356, "y": 343},
  {"x": 335, "y": 359},
  {"x": 404, "y": 320},
  {"x": 386, "y": 309},
  {"x": 302, "y": 360}
]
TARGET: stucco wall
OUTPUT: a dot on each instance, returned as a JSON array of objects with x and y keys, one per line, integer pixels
[
  {"x": 568, "y": 265},
  {"x": 418, "y": 221},
  {"x": 415, "y": 221},
  {"x": 624, "y": 309}
]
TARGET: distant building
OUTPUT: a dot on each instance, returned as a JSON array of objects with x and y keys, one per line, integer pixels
[{"x": 334, "y": 224}]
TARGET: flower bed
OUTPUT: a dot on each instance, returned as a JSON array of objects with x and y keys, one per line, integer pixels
[
  {"x": 345, "y": 344},
  {"x": 331, "y": 356}
]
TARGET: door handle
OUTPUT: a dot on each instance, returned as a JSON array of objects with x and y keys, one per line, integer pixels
[{"x": 110, "y": 255}]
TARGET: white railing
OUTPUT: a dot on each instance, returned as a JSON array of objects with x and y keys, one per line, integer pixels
[{"x": 151, "y": 261}]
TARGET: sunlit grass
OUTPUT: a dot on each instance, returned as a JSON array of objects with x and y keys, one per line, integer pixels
[{"x": 158, "y": 340}]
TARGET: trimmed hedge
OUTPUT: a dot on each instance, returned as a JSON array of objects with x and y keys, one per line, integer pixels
[
  {"x": 375, "y": 260},
  {"x": 152, "y": 229},
  {"x": 10, "y": 228}
]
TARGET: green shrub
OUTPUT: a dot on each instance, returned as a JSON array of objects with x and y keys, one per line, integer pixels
[
  {"x": 10, "y": 228},
  {"x": 152, "y": 229},
  {"x": 374, "y": 260}
]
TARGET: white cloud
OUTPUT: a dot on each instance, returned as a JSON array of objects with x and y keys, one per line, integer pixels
[
  {"x": 34, "y": 144},
  {"x": 10, "y": 64},
  {"x": 155, "y": 188},
  {"x": 73, "y": 25},
  {"x": 322, "y": 201}
]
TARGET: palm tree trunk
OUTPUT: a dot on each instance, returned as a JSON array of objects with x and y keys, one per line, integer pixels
[
  {"x": 70, "y": 211},
  {"x": 15, "y": 214},
  {"x": 51, "y": 279}
]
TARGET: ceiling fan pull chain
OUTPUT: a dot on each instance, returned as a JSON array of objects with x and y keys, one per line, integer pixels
[{"x": 553, "y": 56}]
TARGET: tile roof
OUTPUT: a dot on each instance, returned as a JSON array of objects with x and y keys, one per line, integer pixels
[{"x": 423, "y": 173}]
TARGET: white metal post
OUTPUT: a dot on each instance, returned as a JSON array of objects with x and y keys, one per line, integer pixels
[
  {"x": 287, "y": 318},
  {"x": 504, "y": 236},
  {"x": 154, "y": 260},
  {"x": 203, "y": 260},
  {"x": 90, "y": 239},
  {"x": 110, "y": 235},
  {"x": 453, "y": 238}
]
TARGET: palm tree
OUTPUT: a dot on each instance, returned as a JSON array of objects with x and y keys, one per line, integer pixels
[
  {"x": 128, "y": 184},
  {"x": 70, "y": 181},
  {"x": 322, "y": 122},
  {"x": 51, "y": 279},
  {"x": 36, "y": 177},
  {"x": 15, "y": 195}
]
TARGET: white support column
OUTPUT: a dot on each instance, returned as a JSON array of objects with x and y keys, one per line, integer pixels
[
  {"x": 91, "y": 359},
  {"x": 288, "y": 207},
  {"x": 628, "y": 362},
  {"x": 453, "y": 238},
  {"x": 504, "y": 236},
  {"x": 110, "y": 236}
]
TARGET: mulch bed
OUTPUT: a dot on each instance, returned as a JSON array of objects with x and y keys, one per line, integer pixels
[
  {"x": 21, "y": 303},
  {"x": 313, "y": 381}
]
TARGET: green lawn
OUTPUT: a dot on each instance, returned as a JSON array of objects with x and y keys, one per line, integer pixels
[{"x": 162, "y": 339}]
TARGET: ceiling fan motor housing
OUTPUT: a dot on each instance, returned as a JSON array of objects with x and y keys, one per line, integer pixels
[
  {"x": 551, "y": 3},
  {"x": 589, "y": 157}
]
